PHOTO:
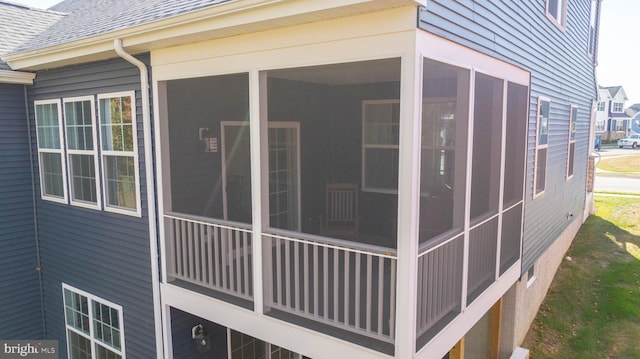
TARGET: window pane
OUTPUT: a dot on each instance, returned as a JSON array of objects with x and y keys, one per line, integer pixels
[
  {"x": 104, "y": 353},
  {"x": 541, "y": 170},
  {"x": 77, "y": 311},
  {"x": 543, "y": 122},
  {"x": 517, "y": 101},
  {"x": 381, "y": 123},
  {"x": 445, "y": 113},
  {"x": 48, "y": 122},
  {"x": 51, "y": 166},
  {"x": 487, "y": 146},
  {"x": 79, "y": 346},
  {"x": 244, "y": 346},
  {"x": 79, "y": 125},
  {"x": 116, "y": 124},
  {"x": 553, "y": 8},
  {"x": 106, "y": 327},
  {"x": 83, "y": 178},
  {"x": 381, "y": 168},
  {"x": 572, "y": 149},
  {"x": 120, "y": 181},
  {"x": 572, "y": 129}
]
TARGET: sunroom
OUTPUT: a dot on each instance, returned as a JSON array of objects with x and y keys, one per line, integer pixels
[{"x": 374, "y": 197}]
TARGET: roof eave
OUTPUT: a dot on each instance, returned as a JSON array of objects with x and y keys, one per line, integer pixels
[
  {"x": 225, "y": 19},
  {"x": 16, "y": 77}
]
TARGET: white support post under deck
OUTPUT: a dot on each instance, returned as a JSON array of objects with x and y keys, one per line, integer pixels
[{"x": 408, "y": 204}]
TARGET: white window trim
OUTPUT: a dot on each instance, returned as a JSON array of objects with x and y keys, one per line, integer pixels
[
  {"x": 103, "y": 153},
  {"x": 94, "y": 153},
  {"x": 560, "y": 23},
  {"x": 571, "y": 141},
  {"x": 539, "y": 147},
  {"x": 59, "y": 151},
  {"x": 366, "y": 188},
  {"x": 91, "y": 337}
]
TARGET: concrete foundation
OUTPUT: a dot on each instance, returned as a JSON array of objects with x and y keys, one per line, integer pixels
[{"x": 522, "y": 301}]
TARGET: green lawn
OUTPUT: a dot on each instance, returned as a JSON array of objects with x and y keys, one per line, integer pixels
[
  {"x": 593, "y": 307},
  {"x": 622, "y": 163}
]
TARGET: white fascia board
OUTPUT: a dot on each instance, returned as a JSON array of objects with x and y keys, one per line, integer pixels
[
  {"x": 226, "y": 19},
  {"x": 16, "y": 77}
]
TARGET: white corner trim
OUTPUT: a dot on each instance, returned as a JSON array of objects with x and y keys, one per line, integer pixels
[{"x": 17, "y": 77}]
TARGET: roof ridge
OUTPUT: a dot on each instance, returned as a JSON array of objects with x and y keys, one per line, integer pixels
[{"x": 26, "y": 7}]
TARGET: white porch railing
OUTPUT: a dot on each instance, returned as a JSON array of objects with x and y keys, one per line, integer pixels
[
  {"x": 211, "y": 254},
  {"x": 439, "y": 284},
  {"x": 339, "y": 283}
]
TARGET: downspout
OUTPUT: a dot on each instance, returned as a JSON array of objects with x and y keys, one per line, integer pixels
[
  {"x": 151, "y": 193},
  {"x": 35, "y": 216}
]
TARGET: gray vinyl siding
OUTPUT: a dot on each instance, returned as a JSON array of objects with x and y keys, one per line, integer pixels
[
  {"x": 20, "y": 305},
  {"x": 103, "y": 253},
  {"x": 519, "y": 32}
]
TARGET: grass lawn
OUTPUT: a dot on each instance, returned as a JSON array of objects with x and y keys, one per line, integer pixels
[
  {"x": 622, "y": 163},
  {"x": 592, "y": 309}
]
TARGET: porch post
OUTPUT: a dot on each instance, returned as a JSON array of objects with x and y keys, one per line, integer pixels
[
  {"x": 495, "y": 330},
  {"x": 255, "y": 89},
  {"x": 408, "y": 202}
]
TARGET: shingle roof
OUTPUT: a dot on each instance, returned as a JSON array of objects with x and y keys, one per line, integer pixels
[
  {"x": 613, "y": 90},
  {"x": 635, "y": 107},
  {"x": 86, "y": 18},
  {"x": 19, "y": 23}
]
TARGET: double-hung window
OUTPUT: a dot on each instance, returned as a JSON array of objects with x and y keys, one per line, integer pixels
[
  {"x": 380, "y": 130},
  {"x": 573, "y": 114},
  {"x": 94, "y": 326},
  {"x": 53, "y": 184},
  {"x": 557, "y": 12},
  {"x": 618, "y": 107},
  {"x": 79, "y": 114},
  {"x": 119, "y": 152},
  {"x": 542, "y": 147},
  {"x": 601, "y": 105}
]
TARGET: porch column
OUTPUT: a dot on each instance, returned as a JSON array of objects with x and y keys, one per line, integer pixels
[
  {"x": 408, "y": 203},
  {"x": 257, "y": 109}
]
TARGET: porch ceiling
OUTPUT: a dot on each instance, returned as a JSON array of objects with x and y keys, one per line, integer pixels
[{"x": 385, "y": 70}]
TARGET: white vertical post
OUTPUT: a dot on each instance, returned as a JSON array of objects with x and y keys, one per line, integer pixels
[
  {"x": 503, "y": 151},
  {"x": 408, "y": 202},
  {"x": 257, "y": 86},
  {"x": 467, "y": 205}
]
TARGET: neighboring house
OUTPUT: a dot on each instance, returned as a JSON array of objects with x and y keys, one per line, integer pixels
[
  {"x": 613, "y": 120},
  {"x": 251, "y": 183},
  {"x": 633, "y": 112},
  {"x": 635, "y": 123}
]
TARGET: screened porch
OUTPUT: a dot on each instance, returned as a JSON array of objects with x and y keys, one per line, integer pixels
[{"x": 323, "y": 201}]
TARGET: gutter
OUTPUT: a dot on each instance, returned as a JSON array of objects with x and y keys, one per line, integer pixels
[
  {"x": 151, "y": 193},
  {"x": 35, "y": 215}
]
